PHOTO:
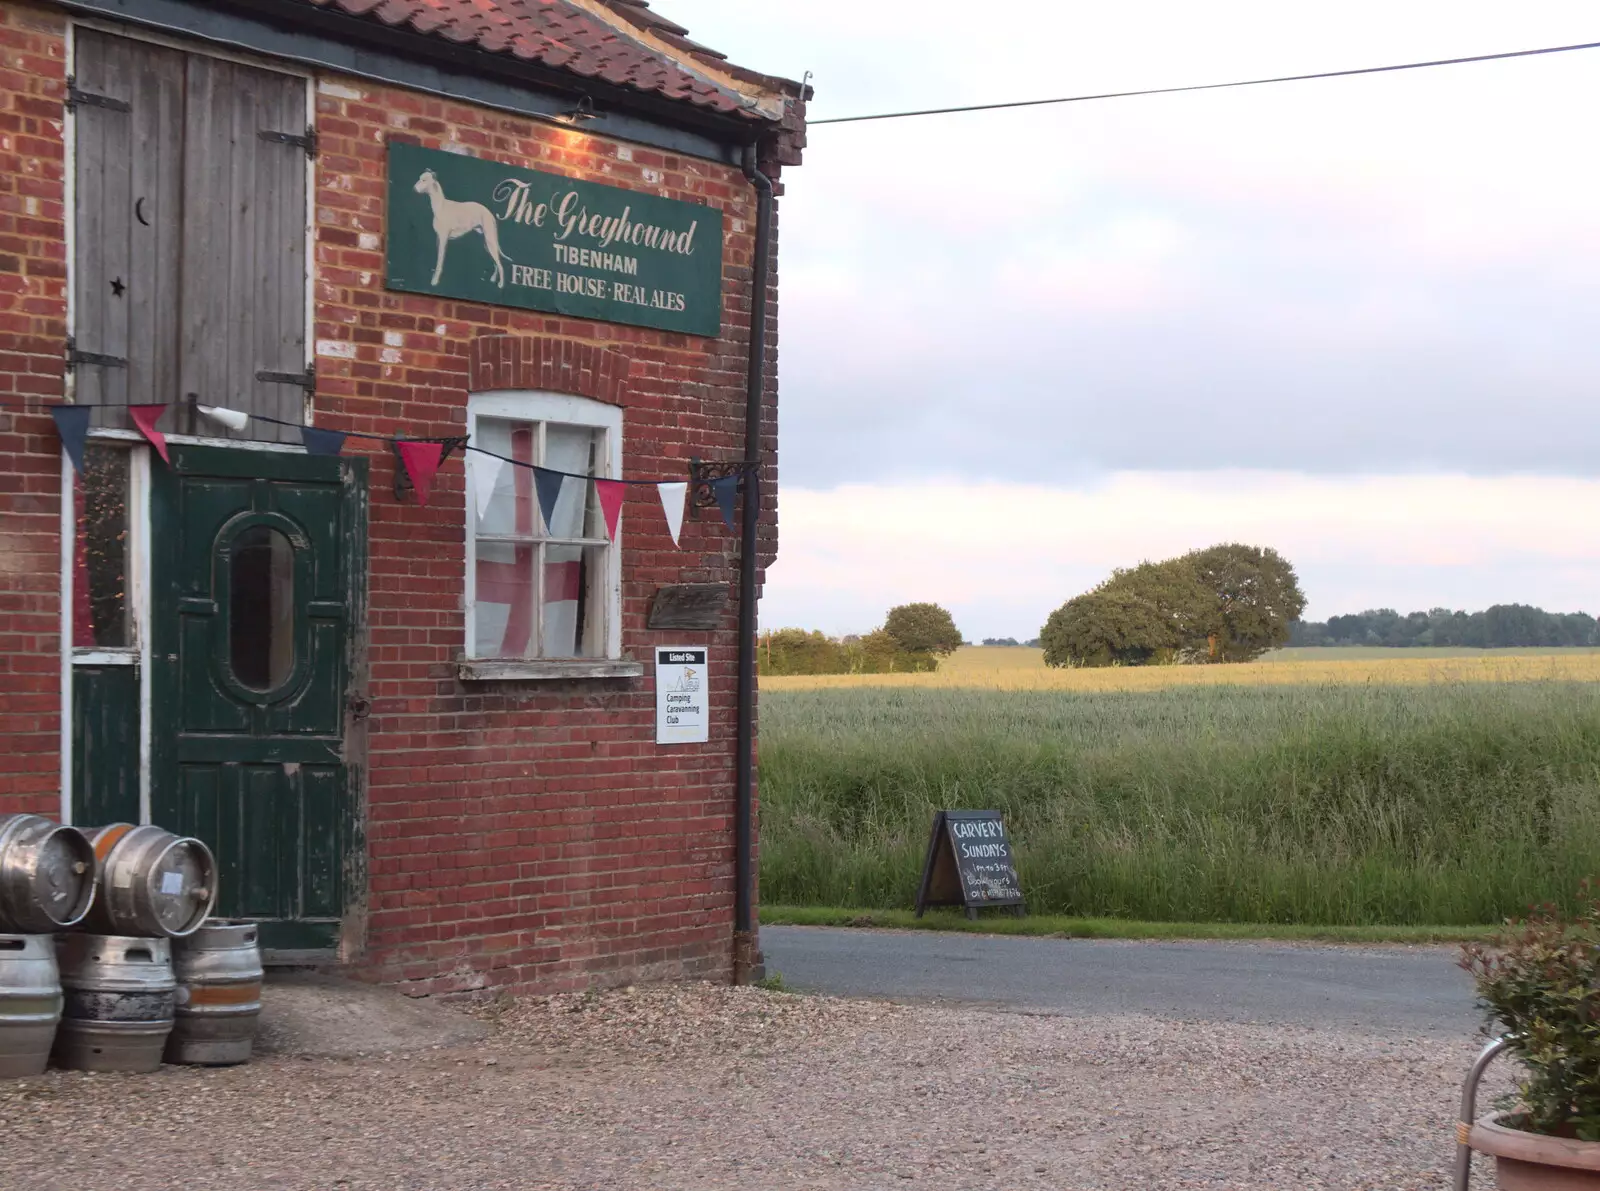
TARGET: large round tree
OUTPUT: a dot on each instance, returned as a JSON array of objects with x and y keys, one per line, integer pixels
[
  {"x": 1228, "y": 603},
  {"x": 1154, "y": 612},
  {"x": 923, "y": 628},
  {"x": 1257, "y": 595}
]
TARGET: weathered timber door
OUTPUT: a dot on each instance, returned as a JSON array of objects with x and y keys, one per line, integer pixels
[
  {"x": 257, "y": 573},
  {"x": 189, "y": 249}
]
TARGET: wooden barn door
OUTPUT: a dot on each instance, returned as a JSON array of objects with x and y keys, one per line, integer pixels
[
  {"x": 189, "y": 247},
  {"x": 128, "y": 130},
  {"x": 256, "y": 572},
  {"x": 244, "y": 244}
]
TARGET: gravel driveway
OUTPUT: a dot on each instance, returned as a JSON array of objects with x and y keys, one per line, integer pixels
[{"x": 710, "y": 1087}]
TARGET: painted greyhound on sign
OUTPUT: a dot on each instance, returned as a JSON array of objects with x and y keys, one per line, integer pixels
[{"x": 452, "y": 220}]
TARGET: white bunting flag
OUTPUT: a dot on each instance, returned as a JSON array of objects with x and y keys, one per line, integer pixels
[
  {"x": 672, "y": 497},
  {"x": 233, "y": 419},
  {"x": 485, "y": 472}
]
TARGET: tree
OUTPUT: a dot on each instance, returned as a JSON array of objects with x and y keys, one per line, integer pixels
[
  {"x": 1227, "y": 603},
  {"x": 880, "y": 653},
  {"x": 1154, "y": 612},
  {"x": 796, "y": 651},
  {"x": 1256, "y": 594},
  {"x": 1501, "y": 625},
  {"x": 923, "y": 628}
]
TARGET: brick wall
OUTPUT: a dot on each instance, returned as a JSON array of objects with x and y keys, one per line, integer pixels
[
  {"x": 518, "y": 833},
  {"x": 33, "y": 314},
  {"x": 529, "y": 833}
]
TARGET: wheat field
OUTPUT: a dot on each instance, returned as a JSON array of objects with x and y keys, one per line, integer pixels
[
  {"x": 1016, "y": 668},
  {"x": 1342, "y": 789}
]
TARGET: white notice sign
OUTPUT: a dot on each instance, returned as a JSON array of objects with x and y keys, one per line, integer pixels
[{"x": 683, "y": 714}]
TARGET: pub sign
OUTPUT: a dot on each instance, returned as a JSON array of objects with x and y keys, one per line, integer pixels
[{"x": 467, "y": 228}]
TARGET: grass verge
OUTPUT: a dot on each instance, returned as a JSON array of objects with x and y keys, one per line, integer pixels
[
  {"x": 1058, "y": 926},
  {"x": 1448, "y": 804}
]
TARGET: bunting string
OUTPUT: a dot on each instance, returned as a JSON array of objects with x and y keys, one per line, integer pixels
[
  {"x": 421, "y": 458},
  {"x": 57, "y": 409}
]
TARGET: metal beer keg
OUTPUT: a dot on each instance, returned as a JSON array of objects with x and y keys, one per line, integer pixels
[
  {"x": 218, "y": 969},
  {"x": 47, "y": 874},
  {"x": 119, "y": 996},
  {"x": 152, "y": 883},
  {"x": 30, "y": 1003}
]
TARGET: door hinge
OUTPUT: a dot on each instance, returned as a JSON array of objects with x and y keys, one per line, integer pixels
[
  {"x": 90, "y": 99},
  {"x": 306, "y": 380},
  {"x": 307, "y": 140},
  {"x": 359, "y": 706},
  {"x": 76, "y": 357}
]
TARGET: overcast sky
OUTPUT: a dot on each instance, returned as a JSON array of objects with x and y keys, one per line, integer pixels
[{"x": 1353, "y": 319}]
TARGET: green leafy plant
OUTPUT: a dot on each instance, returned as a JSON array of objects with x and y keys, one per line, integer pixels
[
  {"x": 1540, "y": 980},
  {"x": 922, "y": 628}
]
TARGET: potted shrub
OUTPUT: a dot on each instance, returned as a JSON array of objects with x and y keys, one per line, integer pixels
[{"x": 1540, "y": 981}]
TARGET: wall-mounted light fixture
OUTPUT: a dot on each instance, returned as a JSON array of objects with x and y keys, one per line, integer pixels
[{"x": 583, "y": 111}]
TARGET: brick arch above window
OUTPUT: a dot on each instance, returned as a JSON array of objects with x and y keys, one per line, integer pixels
[{"x": 549, "y": 364}]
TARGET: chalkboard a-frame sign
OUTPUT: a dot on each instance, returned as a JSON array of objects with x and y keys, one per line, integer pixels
[{"x": 969, "y": 864}]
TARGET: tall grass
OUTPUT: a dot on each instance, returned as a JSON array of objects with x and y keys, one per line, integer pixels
[{"x": 1329, "y": 804}]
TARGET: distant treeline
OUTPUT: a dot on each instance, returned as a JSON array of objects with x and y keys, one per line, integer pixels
[
  {"x": 796, "y": 651},
  {"x": 912, "y": 638},
  {"x": 1499, "y": 627},
  {"x": 1032, "y": 643}
]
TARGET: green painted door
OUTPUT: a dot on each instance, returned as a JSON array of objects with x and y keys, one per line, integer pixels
[{"x": 256, "y": 574}]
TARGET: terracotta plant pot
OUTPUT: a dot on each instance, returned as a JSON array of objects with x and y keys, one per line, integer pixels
[{"x": 1535, "y": 1162}]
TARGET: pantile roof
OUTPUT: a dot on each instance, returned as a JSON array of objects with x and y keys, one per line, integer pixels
[{"x": 568, "y": 36}]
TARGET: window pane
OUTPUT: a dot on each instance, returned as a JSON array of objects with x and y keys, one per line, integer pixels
[
  {"x": 573, "y": 576},
  {"x": 574, "y": 449},
  {"x": 532, "y": 598},
  {"x": 100, "y": 588},
  {"x": 261, "y": 608},
  {"x": 503, "y": 600},
  {"x": 512, "y": 508}
]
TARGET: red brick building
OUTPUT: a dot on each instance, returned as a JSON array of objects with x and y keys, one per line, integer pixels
[{"x": 420, "y": 735}]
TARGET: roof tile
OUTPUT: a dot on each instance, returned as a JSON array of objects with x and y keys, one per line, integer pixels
[{"x": 559, "y": 35}]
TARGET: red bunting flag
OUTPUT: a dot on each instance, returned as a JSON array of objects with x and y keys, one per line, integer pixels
[
  {"x": 422, "y": 461},
  {"x": 144, "y": 417},
  {"x": 611, "y": 493}
]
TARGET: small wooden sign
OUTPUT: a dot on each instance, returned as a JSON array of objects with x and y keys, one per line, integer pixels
[
  {"x": 688, "y": 606},
  {"x": 969, "y": 864}
]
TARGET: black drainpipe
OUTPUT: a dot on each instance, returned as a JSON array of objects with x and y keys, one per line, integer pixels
[{"x": 746, "y": 957}]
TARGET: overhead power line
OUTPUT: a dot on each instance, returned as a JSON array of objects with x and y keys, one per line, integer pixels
[{"x": 1286, "y": 78}]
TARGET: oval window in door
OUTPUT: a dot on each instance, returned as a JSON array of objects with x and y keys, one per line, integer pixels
[{"x": 261, "y": 608}]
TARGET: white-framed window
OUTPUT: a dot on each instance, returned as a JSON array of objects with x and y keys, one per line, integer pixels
[
  {"x": 536, "y": 591},
  {"x": 105, "y": 617}
]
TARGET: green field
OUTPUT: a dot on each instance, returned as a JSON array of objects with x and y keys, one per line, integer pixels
[{"x": 1354, "y": 804}]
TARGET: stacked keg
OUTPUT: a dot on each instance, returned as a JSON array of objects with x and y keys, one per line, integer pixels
[
  {"x": 218, "y": 971},
  {"x": 47, "y": 880},
  {"x": 136, "y": 970},
  {"x": 120, "y": 991}
]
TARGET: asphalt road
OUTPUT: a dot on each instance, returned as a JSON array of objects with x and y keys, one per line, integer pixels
[{"x": 1411, "y": 990}]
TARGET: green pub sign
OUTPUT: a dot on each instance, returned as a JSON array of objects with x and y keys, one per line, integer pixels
[{"x": 478, "y": 230}]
